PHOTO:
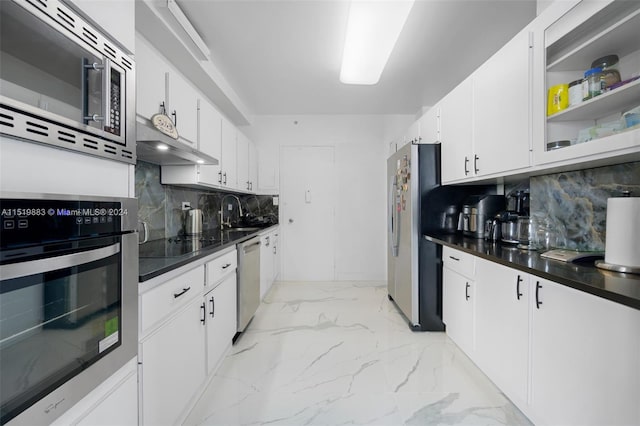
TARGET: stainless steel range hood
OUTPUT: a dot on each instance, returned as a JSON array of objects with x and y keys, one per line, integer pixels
[{"x": 155, "y": 147}]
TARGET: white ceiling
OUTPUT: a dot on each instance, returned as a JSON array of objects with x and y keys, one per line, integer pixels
[{"x": 283, "y": 57}]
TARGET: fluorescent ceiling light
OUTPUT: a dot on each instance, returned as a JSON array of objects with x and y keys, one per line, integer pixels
[{"x": 372, "y": 31}]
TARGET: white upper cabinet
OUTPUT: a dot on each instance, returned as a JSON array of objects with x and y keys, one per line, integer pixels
[
  {"x": 242, "y": 162},
  {"x": 413, "y": 134},
  {"x": 228, "y": 158},
  {"x": 151, "y": 70},
  {"x": 160, "y": 88},
  {"x": 457, "y": 134},
  {"x": 253, "y": 167},
  {"x": 501, "y": 109},
  {"x": 182, "y": 106},
  {"x": 597, "y": 127},
  {"x": 430, "y": 125},
  {"x": 209, "y": 129}
]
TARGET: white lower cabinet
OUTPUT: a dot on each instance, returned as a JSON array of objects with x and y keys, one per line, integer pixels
[
  {"x": 502, "y": 326},
  {"x": 266, "y": 263},
  {"x": 173, "y": 366},
  {"x": 563, "y": 356},
  {"x": 457, "y": 308},
  {"x": 585, "y": 358},
  {"x": 187, "y": 324},
  {"x": 221, "y": 320}
]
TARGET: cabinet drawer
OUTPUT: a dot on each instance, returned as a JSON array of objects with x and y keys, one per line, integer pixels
[
  {"x": 461, "y": 262},
  {"x": 163, "y": 300},
  {"x": 220, "y": 267}
]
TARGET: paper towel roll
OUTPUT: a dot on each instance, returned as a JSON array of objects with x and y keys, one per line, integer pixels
[{"x": 622, "y": 246}]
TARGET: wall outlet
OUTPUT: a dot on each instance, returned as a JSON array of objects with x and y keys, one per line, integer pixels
[
  {"x": 186, "y": 205},
  {"x": 276, "y": 200}
]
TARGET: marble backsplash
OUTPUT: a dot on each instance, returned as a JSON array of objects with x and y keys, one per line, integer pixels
[
  {"x": 573, "y": 205},
  {"x": 160, "y": 206}
]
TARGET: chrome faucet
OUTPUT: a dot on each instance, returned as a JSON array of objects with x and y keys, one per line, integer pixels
[{"x": 228, "y": 222}]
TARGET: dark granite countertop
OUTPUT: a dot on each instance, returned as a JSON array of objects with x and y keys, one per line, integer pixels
[
  {"x": 151, "y": 267},
  {"x": 583, "y": 276}
]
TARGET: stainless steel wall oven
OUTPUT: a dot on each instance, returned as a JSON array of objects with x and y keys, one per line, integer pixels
[
  {"x": 64, "y": 83},
  {"x": 68, "y": 299}
]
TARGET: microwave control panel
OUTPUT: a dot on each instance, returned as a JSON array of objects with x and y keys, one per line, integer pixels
[{"x": 115, "y": 113}]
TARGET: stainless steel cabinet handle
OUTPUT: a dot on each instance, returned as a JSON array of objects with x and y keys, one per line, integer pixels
[
  {"x": 203, "y": 307},
  {"x": 175, "y": 118},
  {"x": 184, "y": 290},
  {"x": 220, "y": 177},
  {"x": 226, "y": 266},
  {"x": 466, "y": 291},
  {"x": 225, "y": 178},
  {"x": 32, "y": 267},
  {"x": 466, "y": 161},
  {"x": 538, "y": 302},
  {"x": 454, "y": 258},
  {"x": 518, "y": 294},
  {"x": 475, "y": 163},
  {"x": 213, "y": 307}
]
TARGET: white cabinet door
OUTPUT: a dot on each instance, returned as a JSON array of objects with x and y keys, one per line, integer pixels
[
  {"x": 221, "y": 320},
  {"x": 585, "y": 358},
  {"x": 276, "y": 254},
  {"x": 502, "y": 327},
  {"x": 502, "y": 109},
  {"x": 182, "y": 106},
  {"x": 173, "y": 365},
  {"x": 457, "y": 134},
  {"x": 457, "y": 308},
  {"x": 228, "y": 154},
  {"x": 242, "y": 162},
  {"x": 150, "y": 79},
  {"x": 253, "y": 167},
  {"x": 413, "y": 133},
  {"x": 430, "y": 125},
  {"x": 209, "y": 129},
  {"x": 266, "y": 264}
]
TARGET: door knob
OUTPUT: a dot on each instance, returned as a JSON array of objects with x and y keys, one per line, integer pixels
[{"x": 290, "y": 220}]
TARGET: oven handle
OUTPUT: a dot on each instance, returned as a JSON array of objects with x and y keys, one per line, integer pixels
[{"x": 32, "y": 267}]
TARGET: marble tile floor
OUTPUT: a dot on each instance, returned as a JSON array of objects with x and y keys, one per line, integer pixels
[{"x": 339, "y": 353}]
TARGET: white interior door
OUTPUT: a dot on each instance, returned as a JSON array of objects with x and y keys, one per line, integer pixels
[{"x": 307, "y": 213}]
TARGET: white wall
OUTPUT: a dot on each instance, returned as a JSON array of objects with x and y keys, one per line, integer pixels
[{"x": 360, "y": 143}]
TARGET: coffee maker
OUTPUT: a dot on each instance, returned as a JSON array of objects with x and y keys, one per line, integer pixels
[{"x": 476, "y": 210}]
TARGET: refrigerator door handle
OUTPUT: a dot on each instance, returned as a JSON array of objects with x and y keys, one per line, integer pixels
[{"x": 393, "y": 218}]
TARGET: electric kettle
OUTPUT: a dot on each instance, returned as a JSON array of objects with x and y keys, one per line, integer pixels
[{"x": 193, "y": 219}]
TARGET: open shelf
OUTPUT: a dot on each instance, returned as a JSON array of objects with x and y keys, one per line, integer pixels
[{"x": 618, "y": 100}]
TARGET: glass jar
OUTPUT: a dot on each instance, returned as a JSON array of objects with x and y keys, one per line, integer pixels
[
  {"x": 592, "y": 85},
  {"x": 610, "y": 73},
  {"x": 575, "y": 92}
]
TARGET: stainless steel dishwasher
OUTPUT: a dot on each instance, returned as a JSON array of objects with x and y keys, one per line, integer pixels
[{"x": 248, "y": 281}]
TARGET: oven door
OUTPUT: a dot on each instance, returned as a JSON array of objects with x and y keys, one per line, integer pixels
[
  {"x": 60, "y": 314},
  {"x": 56, "y": 76}
]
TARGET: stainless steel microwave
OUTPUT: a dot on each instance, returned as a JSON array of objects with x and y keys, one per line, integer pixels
[{"x": 64, "y": 83}]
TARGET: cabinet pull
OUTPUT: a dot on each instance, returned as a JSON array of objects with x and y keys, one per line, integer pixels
[
  {"x": 226, "y": 266},
  {"x": 538, "y": 302},
  {"x": 466, "y": 291},
  {"x": 175, "y": 118},
  {"x": 475, "y": 163},
  {"x": 203, "y": 307},
  {"x": 213, "y": 306},
  {"x": 454, "y": 258},
  {"x": 518, "y": 294},
  {"x": 466, "y": 161},
  {"x": 225, "y": 178},
  {"x": 184, "y": 290},
  {"x": 220, "y": 177}
]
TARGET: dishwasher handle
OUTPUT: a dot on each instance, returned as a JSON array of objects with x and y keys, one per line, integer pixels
[{"x": 251, "y": 247}]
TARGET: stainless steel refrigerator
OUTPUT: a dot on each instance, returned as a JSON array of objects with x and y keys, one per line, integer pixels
[{"x": 414, "y": 263}]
